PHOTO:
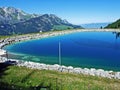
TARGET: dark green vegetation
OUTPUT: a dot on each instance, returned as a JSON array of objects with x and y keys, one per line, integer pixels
[
  {"x": 62, "y": 27},
  {"x": 114, "y": 25},
  {"x": 15, "y": 78},
  {"x": 15, "y": 21}
]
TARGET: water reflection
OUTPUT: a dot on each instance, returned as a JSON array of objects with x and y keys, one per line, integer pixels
[
  {"x": 98, "y": 42},
  {"x": 117, "y": 34}
]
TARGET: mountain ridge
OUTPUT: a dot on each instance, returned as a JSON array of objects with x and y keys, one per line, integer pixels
[
  {"x": 16, "y": 21},
  {"x": 11, "y": 15},
  {"x": 95, "y": 25}
]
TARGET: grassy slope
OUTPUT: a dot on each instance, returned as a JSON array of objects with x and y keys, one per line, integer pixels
[
  {"x": 61, "y": 27},
  {"x": 21, "y": 77}
]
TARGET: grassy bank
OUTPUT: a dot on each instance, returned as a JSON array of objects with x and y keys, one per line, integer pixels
[{"x": 14, "y": 77}]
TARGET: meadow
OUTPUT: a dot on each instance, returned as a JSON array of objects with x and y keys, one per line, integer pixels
[{"x": 22, "y": 78}]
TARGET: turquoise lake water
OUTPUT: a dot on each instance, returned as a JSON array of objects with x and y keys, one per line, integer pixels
[{"x": 84, "y": 49}]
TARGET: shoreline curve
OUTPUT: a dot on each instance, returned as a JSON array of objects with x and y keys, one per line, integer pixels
[{"x": 56, "y": 67}]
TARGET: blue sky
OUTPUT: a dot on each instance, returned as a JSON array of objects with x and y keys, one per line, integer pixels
[{"x": 75, "y": 11}]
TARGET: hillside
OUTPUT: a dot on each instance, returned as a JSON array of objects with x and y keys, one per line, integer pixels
[
  {"x": 16, "y": 21},
  {"x": 115, "y": 24}
]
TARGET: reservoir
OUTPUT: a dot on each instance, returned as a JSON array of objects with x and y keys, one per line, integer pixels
[{"x": 100, "y": 50}]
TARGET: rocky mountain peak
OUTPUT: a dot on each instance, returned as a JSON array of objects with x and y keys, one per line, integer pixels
[
  {"x": 12, "y": 15},
  {"x": 12, "y": 10}
]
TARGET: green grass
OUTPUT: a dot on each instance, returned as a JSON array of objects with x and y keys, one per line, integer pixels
[
  {"x": 15, "y": 77},
  {"x": 61, "y": 27}
]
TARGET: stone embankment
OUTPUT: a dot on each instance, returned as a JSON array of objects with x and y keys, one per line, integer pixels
[
  {"x": 13, "y": 39},
  {"x": 59, "y": 68},
  {"x": 19, "y": 38}
]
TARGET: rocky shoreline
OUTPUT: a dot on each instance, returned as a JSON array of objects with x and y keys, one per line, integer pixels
[{"x": 56, "y": 67}]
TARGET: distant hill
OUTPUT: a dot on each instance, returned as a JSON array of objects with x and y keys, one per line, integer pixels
[
  {"x": 16, "y": 21},
  {"x": 115, "y": 24},
  {"x": 95, "y": 25}
]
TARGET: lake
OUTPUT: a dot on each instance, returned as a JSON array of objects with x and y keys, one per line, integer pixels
[{"x": 83, "y": 49}]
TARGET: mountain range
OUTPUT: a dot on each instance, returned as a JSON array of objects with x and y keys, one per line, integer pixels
[
  {"x": 16, "y": 21},
  {"x": 95, "y": 25}
]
